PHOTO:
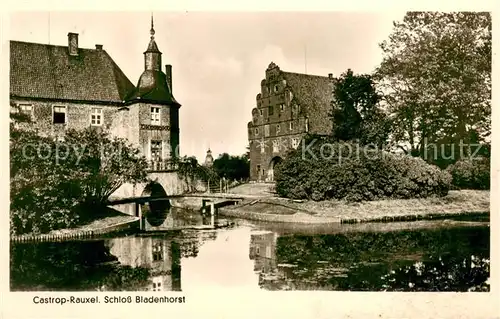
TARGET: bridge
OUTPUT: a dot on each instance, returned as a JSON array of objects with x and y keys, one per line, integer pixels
[
  {"x": 147, "y": 199},
  {"x": 157, "y": 205}
]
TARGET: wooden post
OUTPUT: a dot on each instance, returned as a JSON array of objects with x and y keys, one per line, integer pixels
[
  {"x": 220, "y": 186},
  {"x": 212, "y": 213},
  {"x": 208, "y": 186},
  {"x": 141, "y": 223}
]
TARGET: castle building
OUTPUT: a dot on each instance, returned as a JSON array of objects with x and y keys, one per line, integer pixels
[
  {"x": 289, "y": 106},
  {"x": 68, "y": 87}
]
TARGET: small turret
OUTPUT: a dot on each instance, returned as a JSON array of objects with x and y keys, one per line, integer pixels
[{"x": 209, "y": 160}]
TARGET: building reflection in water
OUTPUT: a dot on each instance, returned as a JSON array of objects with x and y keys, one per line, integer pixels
[
  {"x": 161, "y": 256},
  {"x": 263, "y": 252}
]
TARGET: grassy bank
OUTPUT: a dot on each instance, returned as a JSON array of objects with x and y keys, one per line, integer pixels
[
  {"x": 104, "y": 222},
  {"x": 464, "y": 202}
]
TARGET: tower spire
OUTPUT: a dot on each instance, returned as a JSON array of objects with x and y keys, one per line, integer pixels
[{"x": 152, "y": 31}]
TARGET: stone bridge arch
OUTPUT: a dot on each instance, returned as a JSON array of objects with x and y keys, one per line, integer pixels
[
  {"x": 155, "y": 212},
  {"x": 160, "y": 183}
]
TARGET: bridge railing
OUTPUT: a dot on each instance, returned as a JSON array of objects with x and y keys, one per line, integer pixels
[
  {"x": 162, "y": 165},
  {"x": 218, "y": 186}
]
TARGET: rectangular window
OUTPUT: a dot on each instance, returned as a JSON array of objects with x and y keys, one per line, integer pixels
[
  {"x": 266, "y": 130},
  {"x": 156, "y": 151},
  {"x": 26, "y": 109},
  {"x": 307, "y": 125},
  {"x": 157, "y": 252},
  {"x": 59, "y": 115},
  {"x": 256, "y": 131},
  {"x": 291, "y": 126},
  {"x": 96, "y": 117},
  {"x": 261, "y": 112},
  {"x": 271, "y": 110},
  {"x": 282, "y": 107},
  {"x": 278, "y": 128},
  {"x": 155, "y": 116}
]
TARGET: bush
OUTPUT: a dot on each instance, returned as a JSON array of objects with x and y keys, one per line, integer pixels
[
  {"x": 471, "y": 173},
  {"x": 53, "y": 183},
  {"x": 348, "y": 171}
]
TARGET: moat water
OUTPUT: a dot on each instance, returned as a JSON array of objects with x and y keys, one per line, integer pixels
[{"x": 435, "y": 256}]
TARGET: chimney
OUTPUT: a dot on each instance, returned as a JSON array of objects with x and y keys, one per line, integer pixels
[
  {"x": 168, "y": 72},
  {"x": 98, "y": 47},
  {"x": 330, "y": 76},
  {"x": 73, "y": 44}
]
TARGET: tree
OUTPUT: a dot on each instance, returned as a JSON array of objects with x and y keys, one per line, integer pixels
[
  {"x": 53, "y": 182},
  {"x": 232, "y": 167},
  {"x": 356, "y": 113},
  {"x": 436, "y": 77},
  {"x": 191, "y": 171}
]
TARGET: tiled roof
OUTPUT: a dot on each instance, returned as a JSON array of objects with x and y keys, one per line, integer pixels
[
  {"x": 309, "y": 89},
  {"x": 152, "y": 87},
  {"x": 48, "y": 71}
]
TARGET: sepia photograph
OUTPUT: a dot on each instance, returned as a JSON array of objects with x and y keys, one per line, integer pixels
[{"x": 257, "y": 151}]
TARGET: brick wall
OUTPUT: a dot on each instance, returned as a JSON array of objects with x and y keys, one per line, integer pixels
[
  {"x": 77, "y": 115},
  {"x": 288, "y": 106},
  {"x": 132, "y": 122}
]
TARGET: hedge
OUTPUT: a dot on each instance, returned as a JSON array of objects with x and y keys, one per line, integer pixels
[{"x": 338, "y": 170}]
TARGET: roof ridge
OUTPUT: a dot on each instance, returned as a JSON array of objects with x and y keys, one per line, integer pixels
[
  {"x": 304, "y": 74},
  {"x": 54, "y": 45}
]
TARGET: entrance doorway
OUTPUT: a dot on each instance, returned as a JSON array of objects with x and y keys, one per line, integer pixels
[{"x": 275, "y": 161}]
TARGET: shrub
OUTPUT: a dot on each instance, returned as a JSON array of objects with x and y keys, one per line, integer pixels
[
  {"x": 50, "y": 181},
  {"x": 471, "y": 173},
  {"x": 348, "y": 171}
]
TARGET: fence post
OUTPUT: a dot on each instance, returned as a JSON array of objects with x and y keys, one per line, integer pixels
[{"x": 212, "y": 213}]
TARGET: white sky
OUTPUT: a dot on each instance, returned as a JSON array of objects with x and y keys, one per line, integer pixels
[{"x": 219, "y": 59}]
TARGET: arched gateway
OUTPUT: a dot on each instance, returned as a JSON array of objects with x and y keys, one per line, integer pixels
[
  {"x": 275, "y": 161},
  {"x": 155, "y": 212}
]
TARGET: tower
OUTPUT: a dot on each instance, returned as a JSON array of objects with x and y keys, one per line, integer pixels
[
  {"x": 209, "y": 160},
  {"x": 159, "y": 111}
]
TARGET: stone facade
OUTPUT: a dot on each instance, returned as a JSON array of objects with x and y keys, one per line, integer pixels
[{"x": 289, "y": 106}]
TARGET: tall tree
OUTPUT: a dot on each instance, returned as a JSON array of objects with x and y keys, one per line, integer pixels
[
  {"x": 436, "y": 77},
  {"x": 356, "y": 113},
  {"x": 232, "y": 167}
]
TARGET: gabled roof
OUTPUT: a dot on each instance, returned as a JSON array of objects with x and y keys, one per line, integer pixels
[
  {"x": 309, "y": 89},
  {"x": 49, "y": 72}
]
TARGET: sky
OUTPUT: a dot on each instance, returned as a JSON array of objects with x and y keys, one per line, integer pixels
[{"x": 219, "y": 59}]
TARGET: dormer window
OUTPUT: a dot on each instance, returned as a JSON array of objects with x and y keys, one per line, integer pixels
[
  {"x": 291, "y": 126},
  {"x": 256, "y": 131},
  {"x": 282, "y": 107},
  {"x": 155, "y": 116},
  {"x": 276, "y": 88}
]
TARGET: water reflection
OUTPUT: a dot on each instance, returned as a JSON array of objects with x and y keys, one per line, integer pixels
[
  {"x": 453, "y": 259},
  {"x": 244, "y": 257},
  {"x": 160, "y": 256}
]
